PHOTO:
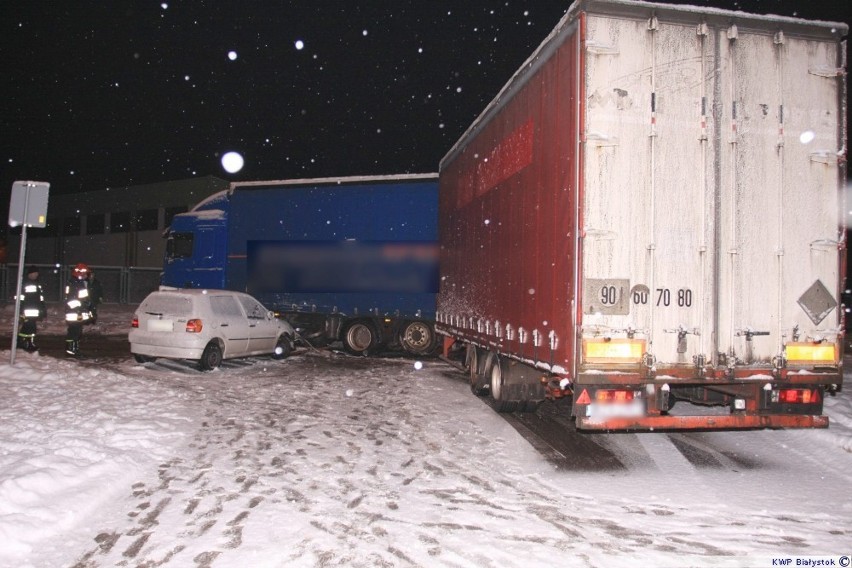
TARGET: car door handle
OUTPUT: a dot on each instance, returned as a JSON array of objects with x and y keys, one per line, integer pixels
[
  {"x": 252, "y": 325},
  {"x": 223, "y": 325}
]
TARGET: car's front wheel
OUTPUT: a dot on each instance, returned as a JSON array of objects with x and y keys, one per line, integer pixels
[
  {"x": 283, "y": 348},
  {"x": 211, "y": 358}
]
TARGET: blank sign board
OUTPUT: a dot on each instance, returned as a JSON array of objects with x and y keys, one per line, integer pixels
[{"x": 29, "y": 204}]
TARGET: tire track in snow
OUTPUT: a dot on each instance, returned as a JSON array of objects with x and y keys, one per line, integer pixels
[{"x": 387, "y": 467}]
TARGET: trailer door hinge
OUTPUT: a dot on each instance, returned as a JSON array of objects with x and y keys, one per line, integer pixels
[
  {"x": 826, "y": 71},
  {"x": 595, "y": 48},
  {"x": 824, "y": 157}
]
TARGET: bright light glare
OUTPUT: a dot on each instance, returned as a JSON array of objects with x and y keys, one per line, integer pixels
[
  {"x": 300, "y": 44},
  {"x": 418, "y": 365},
  {"x": 232, "y": 162},
  {"x": 807, "y": 137},
  {"x": 232, "y": 55}
]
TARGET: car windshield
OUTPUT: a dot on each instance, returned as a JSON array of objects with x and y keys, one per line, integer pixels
[{"x": 166, "y": 304}]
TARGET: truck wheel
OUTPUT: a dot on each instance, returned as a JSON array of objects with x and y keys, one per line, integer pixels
[
  {"x": 359, "y": 338},
  {"x": 418, "y": 338},
  {"x": 283, "y": 348},
  {"x": 498, "y": 391},
  {"x": 211, "y": 357},
  {"x": 478, "y": 383}
]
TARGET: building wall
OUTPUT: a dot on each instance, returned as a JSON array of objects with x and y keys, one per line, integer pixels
[{"x": 120, "y": 227}]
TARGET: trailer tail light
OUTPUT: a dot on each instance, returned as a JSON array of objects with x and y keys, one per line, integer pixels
[
  {"x": 796, "y": 396},
  {"x": 194, "y": 326},
  {"x": 613, "y": 350},
  {"x": 615, "y": 396},
  {"x": 811, "y": 353},
  {"x": 135, "y": 322}
]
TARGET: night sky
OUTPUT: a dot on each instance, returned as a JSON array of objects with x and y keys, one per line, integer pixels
[{"x": 144, "y": 92}]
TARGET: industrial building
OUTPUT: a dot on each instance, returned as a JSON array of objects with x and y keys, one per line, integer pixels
[{"x": 117, "y": 231}]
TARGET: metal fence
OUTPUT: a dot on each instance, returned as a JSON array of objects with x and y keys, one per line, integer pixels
[{"x": 121, "y": 284}]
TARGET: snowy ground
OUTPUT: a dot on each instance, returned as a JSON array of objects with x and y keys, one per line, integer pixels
[{"x": 327, "y": 460}]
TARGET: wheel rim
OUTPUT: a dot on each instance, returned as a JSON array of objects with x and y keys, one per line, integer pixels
[
  {"x": 496, "y": 381},
  {"x": 214, "y": 357},
  {"x": 417, "y": 336},
  {"x": 359, "y": 337}
]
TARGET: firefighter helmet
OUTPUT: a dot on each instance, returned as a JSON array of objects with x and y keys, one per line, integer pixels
[{"x": 81, "y": 271}]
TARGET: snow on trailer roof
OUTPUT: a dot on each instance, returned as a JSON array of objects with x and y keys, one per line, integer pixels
[
  {"x": 685, "y": 12},
  {"x": 347, "y": 180},
  {"x": 210, "y": 201},
  {"x": 634, "y": 9}
]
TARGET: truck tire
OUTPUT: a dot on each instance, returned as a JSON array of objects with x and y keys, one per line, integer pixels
[
  {"x": 478, "y": 383},
  {"x": 418, "y": 338},
  {"x": 359, "y": 338},
  {"x": 211, "y": 358},
  {"x": 283, "y": 348},
  {"x": 497, "y": 390}
]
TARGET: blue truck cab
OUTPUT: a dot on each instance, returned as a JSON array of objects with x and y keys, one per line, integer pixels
[{"x": 343, "y": 259}]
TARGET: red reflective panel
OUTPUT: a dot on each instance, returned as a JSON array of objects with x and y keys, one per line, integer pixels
[{"x": 615, "y": 396}]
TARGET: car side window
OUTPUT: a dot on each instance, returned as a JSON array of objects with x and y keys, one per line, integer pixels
[
  {"x": 225, "y": 306},
  {"x": 253, "y": 308}
]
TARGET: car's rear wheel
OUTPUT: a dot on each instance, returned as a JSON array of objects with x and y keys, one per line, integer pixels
[
  {"x": 142, "y": 358},
  {"x": 283, "y": 348},
  {"x": 211, "y": 358}
]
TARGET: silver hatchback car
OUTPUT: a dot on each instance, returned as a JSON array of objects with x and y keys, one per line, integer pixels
[{"x": 206, "y": 326}]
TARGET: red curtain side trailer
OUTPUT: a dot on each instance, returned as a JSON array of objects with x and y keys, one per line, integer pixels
[{"x": 648, "y": 220}]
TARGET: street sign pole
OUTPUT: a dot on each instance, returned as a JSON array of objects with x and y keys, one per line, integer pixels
[
  {"x": 18, "y": 293},
  {"x": 28, "y": 208}
]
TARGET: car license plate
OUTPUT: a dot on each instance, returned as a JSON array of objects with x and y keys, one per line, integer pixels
[{"x": 160, "y": 325}]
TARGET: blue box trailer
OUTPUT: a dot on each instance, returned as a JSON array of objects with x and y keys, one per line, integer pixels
[{"x": 351, "y": 259}]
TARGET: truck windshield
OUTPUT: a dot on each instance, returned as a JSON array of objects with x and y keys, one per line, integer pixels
[{"x": 179, "y": 245}]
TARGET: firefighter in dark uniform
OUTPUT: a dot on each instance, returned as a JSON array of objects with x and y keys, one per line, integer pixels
[
  {"x": 32, "y": 310},
  {"x": 96, "y": 294},
  {"x": 78, "y": 308}
]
